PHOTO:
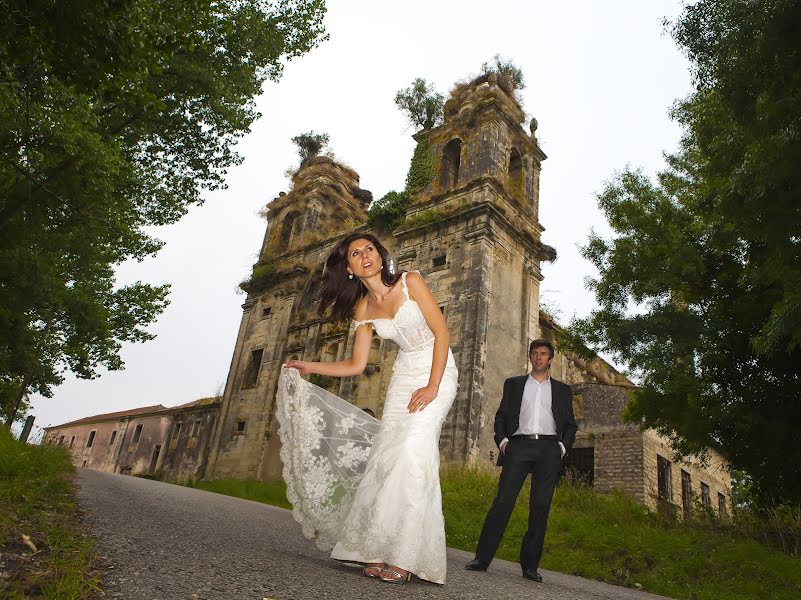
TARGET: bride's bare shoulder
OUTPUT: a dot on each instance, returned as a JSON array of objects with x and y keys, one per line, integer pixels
[{"x": 360, "y": 310}]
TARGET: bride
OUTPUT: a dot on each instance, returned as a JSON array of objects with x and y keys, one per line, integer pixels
[{"x": 370, "y": 489}]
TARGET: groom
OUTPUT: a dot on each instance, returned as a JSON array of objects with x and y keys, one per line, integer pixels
[{"x": 534, "y": 429}]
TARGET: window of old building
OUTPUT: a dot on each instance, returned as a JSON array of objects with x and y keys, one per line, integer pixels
[
  {"x": 580, "y": 463},
  {"x": 286, "y": 230},
  {"x": 240, "y": 427},
  {"x": 176, "y": 434},
  {"x": 61, "y": 441},
  {"x": 664, "y": 479},
  {"x": 91, "y": 439},
  {"x": 451, "y": 160},
  {"x": 195, "y": 428},
  {"x": 686, "y": 492},
  {"x": 514, "y": 177},
  {"x": 721, "y": 504},
  {"x": 313, "y": 216},
  {"x": 266, "y": 311},
  {"x": 137, "y": 434},
  {"x": 112, "y": 437},
  {"x": 330, "y": 354},
  {"x": 438, "y": 261},
  {"x": 252, "y": 371},
  {"x": 705, "y": 499},
  {"x": 72, "y": 441},
  {"x": 154, "y": 460}
]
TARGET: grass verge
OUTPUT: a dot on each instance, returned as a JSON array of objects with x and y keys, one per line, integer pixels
[
  {"x": 607, "y": 537},
  {"x": 37, "y": 501}
]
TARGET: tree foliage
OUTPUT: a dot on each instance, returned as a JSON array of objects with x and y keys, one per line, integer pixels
[
  {"x": 115, "y": 116},
  {"x": 310, "y": 144},
  {"x": 421, "y": 103},
  {"x": 710, "y": 253}
]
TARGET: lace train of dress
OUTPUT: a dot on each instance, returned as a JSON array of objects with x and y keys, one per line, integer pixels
[{"x": 367, "y": 489}]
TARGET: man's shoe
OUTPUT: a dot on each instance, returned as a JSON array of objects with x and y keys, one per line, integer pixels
[
  {"x": 476, "y": 565},
  {"x": 533, "y": 575}
]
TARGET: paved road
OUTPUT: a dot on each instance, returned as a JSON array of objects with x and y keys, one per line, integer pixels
[{"x": 165, "y": 542}]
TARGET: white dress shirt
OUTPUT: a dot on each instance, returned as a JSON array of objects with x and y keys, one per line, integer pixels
[{"x": 536, "y": 413}]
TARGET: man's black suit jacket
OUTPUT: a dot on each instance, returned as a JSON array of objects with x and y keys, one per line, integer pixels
[{"x": 507, "y": 419}]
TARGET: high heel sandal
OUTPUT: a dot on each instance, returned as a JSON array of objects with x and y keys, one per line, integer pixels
[
  {"x": 393, "y": 576},
  {"x": 375, "y": 570}
]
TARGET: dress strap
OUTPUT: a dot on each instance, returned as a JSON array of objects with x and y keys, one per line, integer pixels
[{"x": 403, "y": 282}]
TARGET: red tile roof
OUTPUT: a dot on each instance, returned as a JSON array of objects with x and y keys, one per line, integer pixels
[
  {"x": 113, "y": 415},
  {"x": 156, "y": 408}
]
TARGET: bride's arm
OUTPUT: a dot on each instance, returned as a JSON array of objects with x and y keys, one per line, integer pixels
[
  {"x": 355, "y": 365},
  {"x": 436, "y": 323}
]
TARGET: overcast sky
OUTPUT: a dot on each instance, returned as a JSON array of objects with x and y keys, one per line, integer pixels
[{"x": 600, "y": 79}]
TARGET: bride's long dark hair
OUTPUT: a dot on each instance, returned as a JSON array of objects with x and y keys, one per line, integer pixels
[{"x": 341, "y": 294}]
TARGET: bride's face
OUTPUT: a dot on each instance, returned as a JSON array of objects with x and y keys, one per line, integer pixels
[{"x": 364, "y": 259}]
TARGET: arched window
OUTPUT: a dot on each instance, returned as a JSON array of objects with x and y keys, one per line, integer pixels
[
  {"x": 514, "y": 178},
  {"x": 313, "y": 216},
  {"x": 286, "y": 230},
  {"x": 331, "y": 353},
  {"x": 451, "y": 157}
]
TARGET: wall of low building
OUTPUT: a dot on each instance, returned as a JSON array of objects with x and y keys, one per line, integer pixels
[
  {"x": 101, "y": 455},
  {"x": 713, "y": 472},
  {"x": 617, "y": 447},
  {"x": 137, "y": 457},
  {"x": 184, "y": 456}
]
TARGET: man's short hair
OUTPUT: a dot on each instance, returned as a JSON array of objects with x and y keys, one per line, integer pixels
[{"x": 539, "y": 343}]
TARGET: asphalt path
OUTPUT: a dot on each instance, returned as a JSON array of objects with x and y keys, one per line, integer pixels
[{"x": 161, "y": 542}]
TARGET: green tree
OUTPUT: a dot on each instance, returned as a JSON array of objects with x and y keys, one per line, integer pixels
[
  {"x": 115, "y": 116},
  {"x": 310, "y": 144},
  {"x": 421, "y": 103},
  {"x": 710, "y": 253}
]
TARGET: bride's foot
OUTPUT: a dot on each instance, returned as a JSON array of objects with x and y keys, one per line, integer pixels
[
  {"x": 395, "y": 575},
  {"x": 373, "y": 570}
]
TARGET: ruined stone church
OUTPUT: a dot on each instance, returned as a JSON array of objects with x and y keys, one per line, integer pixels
[{"x": 474, "y": 233}]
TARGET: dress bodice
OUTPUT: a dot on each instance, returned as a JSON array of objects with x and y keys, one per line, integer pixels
[{"x": 408, "y": 328}]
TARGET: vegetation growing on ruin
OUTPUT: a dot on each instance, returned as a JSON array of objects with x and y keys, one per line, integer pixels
[
  {"x": 269, "y": 272},
  {"x": 422, "y": 169},
  {"x": 389, "y": 211}
]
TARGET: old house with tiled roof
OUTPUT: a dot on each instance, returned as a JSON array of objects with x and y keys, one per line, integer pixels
[{"x": 170, "y": 443}]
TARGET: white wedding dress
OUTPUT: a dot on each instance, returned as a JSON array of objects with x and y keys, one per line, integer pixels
[{"x": 365, "y": 488}]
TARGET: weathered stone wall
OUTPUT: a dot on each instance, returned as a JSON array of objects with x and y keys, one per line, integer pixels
[
  {"x": 714, "y": 473},
  {"x": 184, "y": 453}
]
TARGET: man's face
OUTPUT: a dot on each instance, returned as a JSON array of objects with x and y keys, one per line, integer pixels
[{"x": 540, "y": 359}]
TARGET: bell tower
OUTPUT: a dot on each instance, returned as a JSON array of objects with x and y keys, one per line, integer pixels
[{"x": 474, "y": 233}]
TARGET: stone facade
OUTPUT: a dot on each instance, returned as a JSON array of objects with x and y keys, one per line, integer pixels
[{"x": 169, "y": 443}]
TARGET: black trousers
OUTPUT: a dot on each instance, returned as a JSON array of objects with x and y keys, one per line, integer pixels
[{"x": 543, "y": 459}]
